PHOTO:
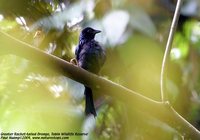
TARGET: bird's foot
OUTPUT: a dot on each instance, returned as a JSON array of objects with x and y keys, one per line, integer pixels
[{"x": 74, "y": 61}]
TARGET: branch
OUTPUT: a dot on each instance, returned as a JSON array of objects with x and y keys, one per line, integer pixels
[
  {"x": 168, "y": 49},
  {"x": 160, "y": 110}
]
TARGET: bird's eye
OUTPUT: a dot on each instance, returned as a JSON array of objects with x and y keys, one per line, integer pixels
[{"x": 88, "y": 30}]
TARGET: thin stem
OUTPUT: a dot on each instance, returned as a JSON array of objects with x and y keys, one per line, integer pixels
[{"x": 168, "y": 49}]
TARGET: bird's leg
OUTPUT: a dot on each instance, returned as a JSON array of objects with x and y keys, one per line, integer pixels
[{"x": 74, "y": 61}]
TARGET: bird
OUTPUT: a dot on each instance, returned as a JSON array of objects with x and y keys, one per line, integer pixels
[{"x": 90, "y": 56}]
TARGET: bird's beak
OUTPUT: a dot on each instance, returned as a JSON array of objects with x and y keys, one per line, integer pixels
[{"x": 97, "y": 31}]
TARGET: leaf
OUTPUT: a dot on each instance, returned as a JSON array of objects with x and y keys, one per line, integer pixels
[
  {"x": 70, "y": 16},
  {"x": 6, "y": 25},
  {"x": 142, "y": 22},
  {"x": 180, "y": 47},
  {"x": 173, "y": 90},
  {"x": 191, "y": 8},
  {"x": 114, "y": 24}
]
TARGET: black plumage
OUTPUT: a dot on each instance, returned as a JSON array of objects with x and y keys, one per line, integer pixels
[{"x": 91, "y": 57}]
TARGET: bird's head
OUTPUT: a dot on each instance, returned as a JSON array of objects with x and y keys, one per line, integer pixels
[{"x": 88, "y": 33}]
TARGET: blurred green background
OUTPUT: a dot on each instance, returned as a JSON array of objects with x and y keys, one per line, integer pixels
[{"x": 34, "y": 98}]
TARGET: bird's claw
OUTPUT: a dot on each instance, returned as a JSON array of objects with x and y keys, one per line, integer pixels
[{"x": 74, "y": 61}]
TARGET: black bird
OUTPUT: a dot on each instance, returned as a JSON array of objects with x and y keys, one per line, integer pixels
[{"x": 91, "y": 57}]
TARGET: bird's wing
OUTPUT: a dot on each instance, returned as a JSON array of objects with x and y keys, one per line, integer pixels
[
  {"x": 77, "y": 51},
  {"x": 90, "y": 56},
  {"x": 100, "y": 52}
]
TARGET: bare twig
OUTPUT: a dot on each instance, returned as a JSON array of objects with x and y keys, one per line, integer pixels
[{"x": 168, "y": 49}]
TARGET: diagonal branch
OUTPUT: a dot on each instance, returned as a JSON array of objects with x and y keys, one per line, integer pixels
[
  {"x": 168, "y": 49},
  {"x": 160, "y": 110}
]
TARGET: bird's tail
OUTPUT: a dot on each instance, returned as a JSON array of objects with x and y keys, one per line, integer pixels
[{"x": 89, "y": 104}]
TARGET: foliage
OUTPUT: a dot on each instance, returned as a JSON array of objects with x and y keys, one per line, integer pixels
[{"x": 34, "y": 98}]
